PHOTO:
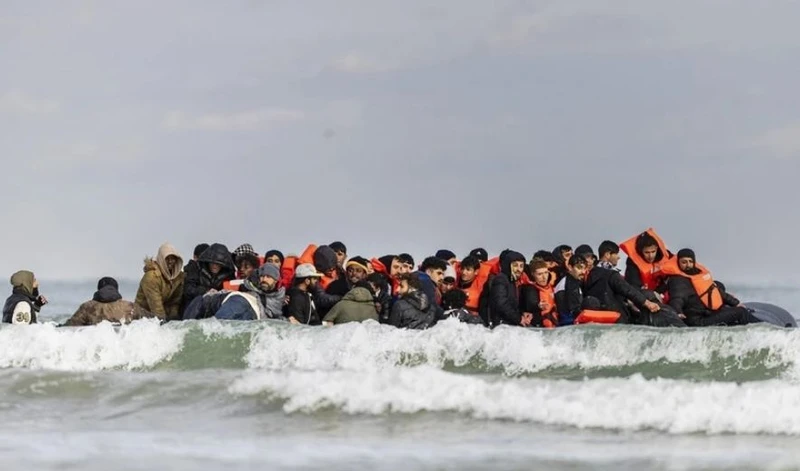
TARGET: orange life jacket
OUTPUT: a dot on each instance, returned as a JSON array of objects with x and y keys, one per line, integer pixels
[
  {"x": 591, "y": 316},
  {"x": 549, "y": 315},
  {"x": 703, "y": 283},
  {"x": 650, "y": 273},
  {"x": 232, "y": 285},
  {"x": 291, "y": 262},
  {"x": 474, "y": 291}
]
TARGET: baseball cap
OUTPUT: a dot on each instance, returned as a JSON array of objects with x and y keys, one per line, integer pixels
[{"x": 307, "y": 270}]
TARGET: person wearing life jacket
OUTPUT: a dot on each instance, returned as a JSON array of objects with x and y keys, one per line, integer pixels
[
  {"x": 454, "y": 302},
  {"x": 107, "y": 305},
  {"x": 25, "y": 302},
  {"x": 246, "y": 265},
  {"x": 569, "y": 297},
  {"x": 341, "y": 254},
  {"x": 413, "y": 309},
  {"x": 274, "y": 257},
  {"x": 327, "y": 292},
  {"x": 214, "y": 267},
  {"x": 694, "y": 293},
  {"x": 615, "y": 294},
  {"x": 431, "y": 273},
  {"x": 539, "y": 297},
  {"x": 302, "y": 308},
  {"x": 500, "y": 296},
  {"x": 552, "y": 264},
  {"x": 646, "y": 254},
  {"x": 259, "y": 297},
  {"x": 391, "y": 267},
  {"x": 161, "y": 288},
  {"x": 471, "y": 280}
]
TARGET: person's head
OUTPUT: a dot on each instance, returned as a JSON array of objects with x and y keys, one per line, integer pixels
[
  {"x": 24, "y": 280},
  {"x": 246, "y": 264},
  {"x": 325, "y": 260},
  {"x": 455, "y": 299},
  {"x": 306, "y": 276},
  {"x": 686, "y": 259},
  {"x": 585, "y": 251},
  {"x": 434, "y": 268},
  {"x": 356, "y": 269},
  {"x": 609, "y": 252},
  {"x": 379, "y": 281},
  {"x": 480, "y": 253},
  {"x": 562, "y": 253},
  {"x": 540, "y": 272},
  {"x": 449, "y": 279},
  {"x": 107, "y": 281},
  {"x": 169, "y": 261},
  {"x": 409, "y": 282},
  {"x": 647, "y": 247},
  {"x": 577, "y": 267},
  {"x": 274, "y": 257},
  {"x": 447, "y": 255},
  {"x": 214, "y": 268},
  {"x": 407, "y": 262},
  {"x": 244, "y": 249},
  {"x": 469, "y": 268},
  {"x": 198, "y": 250},
  {"x": 341, "y": 252},
  {"x": 512, "y": 264},
  {"x": 545, "y": 256},
  {"x": 268, "y": 276},
  {"x": 393, "y": 265}
]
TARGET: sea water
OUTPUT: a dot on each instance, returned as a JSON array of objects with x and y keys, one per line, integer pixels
[{"x": 269, "y": 395}]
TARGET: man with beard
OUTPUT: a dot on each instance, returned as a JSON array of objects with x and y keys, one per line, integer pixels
[{"x": 259, "y": 297}]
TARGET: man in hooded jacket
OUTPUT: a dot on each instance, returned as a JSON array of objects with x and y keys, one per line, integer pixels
[
  {"x": 161, "y": 288},
  {"x": 214, "y": 267},
  {"x": 107, "y": 305},
  {"x": 25, "y": 302},
  {"x": 500, "y": 298}
]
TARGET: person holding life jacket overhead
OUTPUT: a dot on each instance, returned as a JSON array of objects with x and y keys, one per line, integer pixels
[
  {"x": 646, "y": 254},
  {"x": 694, "y": 293},
  {"x": 539, "y": 298}
]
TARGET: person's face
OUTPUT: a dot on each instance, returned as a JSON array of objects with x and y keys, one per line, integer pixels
[
  {"x": 613, "y": 259},
  {"x": 340, "y": 258},
  {"x": 397, "y": 268},
  {"x": 171, "y": 262},
  {"x": 468, "y": 274},
  {"x": 685, "y": 263},
  {"x": 516, "y": 269},
  {"x": 246, "y": 269},
  {"x": 436, "y": 274},
  {"x": 370, "y": 268},
  {"x": 214, "y": 268},
  {"x": 448, "y": 284},
  {"x": 566, "y": 254},
  {"x": 355, "y": 274},
  {"x": 578, "y": 271},
  {"x": 453, "y": 261},
  {"x": 273, "y": 259},
  {"x": 35, "y": 284},
  {"x": 267, "y": 283},
  {"x": 402, "y": 289},
  {"x": 541, "y": 276},
  {"x": 649, "y": 253}
]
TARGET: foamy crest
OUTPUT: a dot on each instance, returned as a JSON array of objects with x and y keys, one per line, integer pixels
[
  {"x": 673, "y": 406},
  {"x": 515, "y": 350},
  {"x": 143, "y": 343}
]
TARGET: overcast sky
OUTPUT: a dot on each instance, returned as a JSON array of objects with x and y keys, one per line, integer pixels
[{"x": 397, "y": 126}]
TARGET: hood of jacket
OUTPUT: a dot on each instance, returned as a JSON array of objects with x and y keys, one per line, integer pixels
[
  {"x": 419, "y": 300},
  {"x": 161, "y": 261},
  {"x": 325, "y": 259},
  {"x": 107, "y": 294},
  {"x": 219, "y": 254},
  {"x": 507, "y": 258},
  {"x": 23, "y": 281},
  {"x": 358, "y": 295}
]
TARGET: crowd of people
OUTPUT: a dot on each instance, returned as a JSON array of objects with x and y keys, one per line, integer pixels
[{"x": 323, "y": 286}]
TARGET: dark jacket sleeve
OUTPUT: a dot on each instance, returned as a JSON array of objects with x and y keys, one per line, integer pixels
[
  {"x": 570, "y": 300},
  {"x": 626, "y": 290},
  {"x": 502, "y": 302},
  {"x": 396, "y": 315},
  {"x": 529, "y": 302},
  {"x": 193, "y": 285},
  {"x": 324, "y": 301},
  {"x": 679, "y": 289},
  {"x": 298, "y": 307},
  {"x": 727, "y": 298}
]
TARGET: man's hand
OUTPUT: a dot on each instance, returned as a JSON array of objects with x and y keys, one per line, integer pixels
[
  {"x": 293, "y": 320},
  {"x": 651, "y": 306},
  {"x": 527, "y": 318},
  {"x": 41, "y": 300}
]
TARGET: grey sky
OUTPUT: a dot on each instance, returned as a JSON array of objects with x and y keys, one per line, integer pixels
[{"x": 397, "y": 126}]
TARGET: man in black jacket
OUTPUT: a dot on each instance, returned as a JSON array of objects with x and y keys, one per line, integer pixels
[
  {"x": 214, "y": 267},
  {"x": 500, "y": 297},
  {"x": 684, "y": 298},
  {"x": 413, "y": 310}
]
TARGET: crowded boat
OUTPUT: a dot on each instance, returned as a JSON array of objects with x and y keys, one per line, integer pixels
[{"x": 324, "y": 286}]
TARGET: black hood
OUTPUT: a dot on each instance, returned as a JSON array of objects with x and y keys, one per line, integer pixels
[
  {"x": 219, "y": 254},
  {"x": 507, "y": 257},
  {"x": 107, "y": 294},
  {"x": 419, "y": 300},
  {"x": 324, "y": 259}
]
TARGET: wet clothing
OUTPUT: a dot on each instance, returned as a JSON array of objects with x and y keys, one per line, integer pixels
[
  {"x": 107, "y": 305},
  {"x": 302, "y": 307},
  {"x": 161, "y": 290},
  {"x": 684, "y": 299},
  {"x": 357, "y": 305},
  {"x": 413, "y": 311},
  {"x": 199, "y": 280}
]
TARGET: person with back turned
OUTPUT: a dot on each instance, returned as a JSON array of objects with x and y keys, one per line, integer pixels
[
  {"x": 107, "y": 305},
  {"x": 25, "y": 302}
]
